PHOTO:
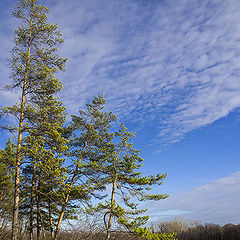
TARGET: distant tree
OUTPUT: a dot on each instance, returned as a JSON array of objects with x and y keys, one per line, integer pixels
[
  {"x": 34, "y": 60},
  {"x": 195, "y": 231},
  {"x": 213, "y": 232},
  {"x": 178, "y": 225},
  {"x": 231, "y": 232}
]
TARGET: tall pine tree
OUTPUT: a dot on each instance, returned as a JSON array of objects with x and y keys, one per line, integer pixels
[{"x": 34, "y": 61}]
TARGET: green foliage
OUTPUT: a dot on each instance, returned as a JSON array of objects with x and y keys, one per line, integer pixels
[
  {"x": 121, "y": 164},
  {"x": 7, "y": 161},
  {"x": 7, "y": 157},
  {"x": 44, "y": 150},
  {"x": 89, "y": 132},
  {"x": 34, "y": 60},
  {"x": 41, "y": 38},
  {"x": 117, "y": 163}
]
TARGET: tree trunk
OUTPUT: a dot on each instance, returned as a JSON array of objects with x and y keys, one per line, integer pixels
[
  {"x": 50, "y": 219},
  {"x": 2, "y": 196},
  {"x": 32, "y": 203},
  {"x": 68, "y": 194},
  {"x": 17, "y": 169},
  {"x": 19, "y": 142},
  {"x": 110, "y": 215},
  {"x": 108, "y": 226},
  {"x": 4, "y": 222},
  {"x": 38, "y": 210}
]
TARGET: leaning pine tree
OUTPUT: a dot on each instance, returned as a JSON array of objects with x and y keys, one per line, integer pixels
[
  {"x": 120, "y": 167},
  {"x": 34, "y": 60},
  {"x": 90, "y": 130}
]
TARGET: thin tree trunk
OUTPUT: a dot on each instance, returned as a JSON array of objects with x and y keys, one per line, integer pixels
[
  {"x": 32, "y": 203},
  {"x": 110, "y": 215},
  {"x": 19, "y": 143},
  {"x": 50, "y": 219},
  {"x": 38, "y": 210},
  {"x": 4, "y": 221},
  {"x": 20, "y": 227},
  {"x": 38, "y": 221},
  {"x": 67, "y": 195},
  {"x": 42, "y": 227},
  {"x": 108, "y": 226},
  {"x": 1, "y": 196},
  {"x": 17, "y": 168}
]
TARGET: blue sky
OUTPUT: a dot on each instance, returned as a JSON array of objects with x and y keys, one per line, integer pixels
[{"x": 170, "y": 70}]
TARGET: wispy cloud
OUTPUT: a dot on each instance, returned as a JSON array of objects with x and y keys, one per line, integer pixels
[
  {"x": 218, "y": 202},
  {"x": 7, "y": 28},
  {"x": 176, "y": 66}
]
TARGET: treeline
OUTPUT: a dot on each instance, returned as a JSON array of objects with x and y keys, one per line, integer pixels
[
  {"x": 51, "y": 170},
  {"x": 211, "y": 232},
  {"x": 92, "y": 228},
  {"x": 196, "y": 231}
]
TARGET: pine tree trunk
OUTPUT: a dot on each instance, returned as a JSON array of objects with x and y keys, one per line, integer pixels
[
  {"x": 67, "y": 195},
  {"x": 50, "y": 219},
  {"x": 112, "y": 205},
  {"x": 32, "y": 204},
  {"x": 63, "y": 209},
  {"x": 38, "y": 220},
  {"x": 4, "y": 222},
  {"x": 17, "y": 168},
  {"x": 38, "y": 210},
  {"x": 19, "y": 142},
  {"x": 108, "y": 226},
  {"x": 1, "y": 197},
  {"x": 61, "y": 215}
]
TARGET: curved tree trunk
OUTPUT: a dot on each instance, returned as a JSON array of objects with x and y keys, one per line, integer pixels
[{"x": 67, "y": 195}]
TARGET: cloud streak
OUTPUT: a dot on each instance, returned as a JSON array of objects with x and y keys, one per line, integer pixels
[
  {"x": 178, "y": 64},
  {"x": 175, "y": 66},
  {"x": 216, "y": 202}
]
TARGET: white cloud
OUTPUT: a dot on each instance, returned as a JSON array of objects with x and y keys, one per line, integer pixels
[
  {"x": 174, "y": 65},
  {"x": 180, "y": 65},
  {"x": 6, "y": 39},
  {"x": 216, "y": 202}
]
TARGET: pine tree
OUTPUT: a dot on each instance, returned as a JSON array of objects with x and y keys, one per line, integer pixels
[
  {"x": 91, "y": 131},
  {"x": 44, "y": 149},
  {"x": 119, "y": 167},
  {"x": 34, "y": 60}
]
